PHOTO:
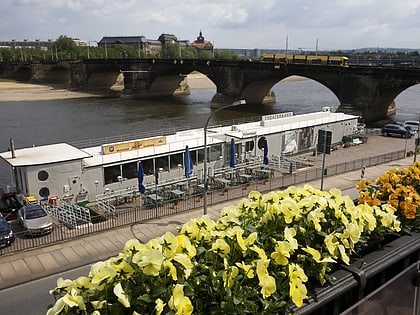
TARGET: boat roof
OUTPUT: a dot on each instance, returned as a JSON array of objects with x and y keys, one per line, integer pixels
[{"x": 46, "y": 154}]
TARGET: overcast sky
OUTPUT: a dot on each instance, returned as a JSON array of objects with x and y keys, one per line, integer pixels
[{"x": 344, "y": 24}]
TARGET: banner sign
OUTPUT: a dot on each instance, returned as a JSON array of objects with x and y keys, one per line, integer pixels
[{"x": 133, "y": 145}]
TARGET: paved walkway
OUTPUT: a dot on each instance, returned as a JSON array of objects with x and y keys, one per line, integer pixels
[{"x": 37, "y": 263}]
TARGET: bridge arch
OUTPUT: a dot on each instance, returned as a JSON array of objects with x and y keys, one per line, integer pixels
[
  {"x": 270, "y": 91},
  {"x": 58, "y": 75},
  {"x": 23, "y": 74}
]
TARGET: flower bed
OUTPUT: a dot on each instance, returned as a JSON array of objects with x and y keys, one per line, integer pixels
[
  {"x": 268, "y": 254},
  {"x": 400, "y": 188}
]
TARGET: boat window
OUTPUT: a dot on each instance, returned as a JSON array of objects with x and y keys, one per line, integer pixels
[
  {"x": 249, "y": 146},
  {"x": 198, "y": 156},
  {"x": 215, "y": 152},
  {"x": 129, "y": 170},
  {"x": 42, "y": 175},
  {"x": 176, "y": 159},
  {"x": 162, "y": 162},
  {"x": 147, "y": 166},
  {"x": 111, "y": 174}
]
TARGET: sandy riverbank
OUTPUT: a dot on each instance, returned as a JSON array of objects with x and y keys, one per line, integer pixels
[{"x": 16, "y": 91}]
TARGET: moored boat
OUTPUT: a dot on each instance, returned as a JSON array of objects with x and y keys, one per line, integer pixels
[{"x": 63, "y": 171}]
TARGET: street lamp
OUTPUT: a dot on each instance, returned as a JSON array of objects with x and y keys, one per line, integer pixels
[
  {"x": 179, "y": 171},
  {"x": 240, "y": 102},
  {"x": 157, "y": 171}
]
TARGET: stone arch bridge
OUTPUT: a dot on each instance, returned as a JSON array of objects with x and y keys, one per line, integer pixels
[{"x": 363, "y": 90}]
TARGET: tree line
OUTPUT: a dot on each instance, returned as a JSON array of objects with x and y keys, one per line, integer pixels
[{"x": 64, "y": 48}]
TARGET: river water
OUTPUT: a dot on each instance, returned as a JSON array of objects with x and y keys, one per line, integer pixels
[{"x": 46, "y": 122}]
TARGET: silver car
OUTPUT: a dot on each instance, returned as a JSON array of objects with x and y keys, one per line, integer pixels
[{"x": 35, "y": 220}]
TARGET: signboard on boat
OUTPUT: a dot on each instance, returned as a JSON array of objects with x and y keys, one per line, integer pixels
[{"x": 133, "y": 145}]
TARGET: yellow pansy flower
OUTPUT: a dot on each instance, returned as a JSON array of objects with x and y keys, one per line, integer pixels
[
  {"x": 282, "y": 252},
  {"x": 169, "y": 244},
  {"x": 248, "y": 269},
  {"x": 122, "y": 297},
  {"x": 259, "y": 251},
  {"x": 152, "y": 262},
  {"x": 172, "y": 269},
  {"x": 229, "y": 275},
  {"x": 72, "y": 299},
  {"x": 268, "y": 286},
  {"x": 221, "y": 247},
  {"x": 185, "y": 246},
  {"x": 159, "y": 306},
  {"x": 180, "y": 303},
  {"x": 100, "y": 272}
]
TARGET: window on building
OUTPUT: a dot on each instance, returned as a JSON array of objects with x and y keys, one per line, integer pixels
[
  {"x": 162, "y": 162},
  {"x": 111, "y": 174},
  {"x": 176, "y": 159},
  {"x": 129, "y": 170}
]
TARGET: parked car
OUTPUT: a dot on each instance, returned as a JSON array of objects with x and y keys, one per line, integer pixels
[
  {"x": 397, "y": 130},
  {"x": 6, "y": 234},
  {"x": 35, "y": 220},
  {"x": 413, "y": 124}
]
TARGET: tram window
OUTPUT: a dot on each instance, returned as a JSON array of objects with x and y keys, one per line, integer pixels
[
  {"x": 111, "y": 174},
  {"x": 129, "y": 170},
  {"x": 162, "y": 162},
  {"x": 147, "y": 166},
  {"x": 177, "y": 159}
]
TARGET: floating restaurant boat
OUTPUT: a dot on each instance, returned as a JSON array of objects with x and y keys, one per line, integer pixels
[{"x": 77, "y": 175}]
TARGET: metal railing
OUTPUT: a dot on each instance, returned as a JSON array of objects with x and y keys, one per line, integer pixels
[{"x": 138, "y": 211}]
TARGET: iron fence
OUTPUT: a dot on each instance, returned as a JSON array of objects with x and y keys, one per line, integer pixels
[{"x": 137, "y": 211}]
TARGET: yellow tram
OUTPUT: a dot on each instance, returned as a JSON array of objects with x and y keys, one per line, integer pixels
[{"x": 321, "y": 60}]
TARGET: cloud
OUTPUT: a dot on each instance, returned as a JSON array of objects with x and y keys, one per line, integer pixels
[{"x": 231, "y": 23}]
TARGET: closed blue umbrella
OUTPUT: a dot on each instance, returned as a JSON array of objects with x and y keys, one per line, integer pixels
[
  {"x": 265, "y": 152},
  {"x": 188, "y": 163},
  {"x": 232, "y": 153},
  {"x": 140, "y": 177}
]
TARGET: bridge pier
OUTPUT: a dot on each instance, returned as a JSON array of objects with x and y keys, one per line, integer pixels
[{"x": 146, "y": 84}]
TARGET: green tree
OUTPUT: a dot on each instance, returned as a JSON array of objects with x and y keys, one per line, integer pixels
[
  {"x": 189, "y": 53},
  {"x": 65, "y": 45},
  {"x": 170, "y": 50}
]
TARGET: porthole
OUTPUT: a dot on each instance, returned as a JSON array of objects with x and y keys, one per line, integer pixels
[
  {"x": 43, "y": 175},
  {"x": 44, "y": 192},
  {"x": 261, "y": 143}
]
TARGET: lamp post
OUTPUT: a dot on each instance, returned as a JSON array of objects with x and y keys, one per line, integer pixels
[
  {"x": 157, "y": 171},
  {"x": 240, "y": 102},
  {"x": 416, "y": 141},
  {"x": 179, "y": 171}
]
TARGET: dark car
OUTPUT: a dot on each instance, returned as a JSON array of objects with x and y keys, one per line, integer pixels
[
  {"x": 6, "y": 234},
  {"x": 35, "y": 220},
  {"x": 397, "y": 130}
]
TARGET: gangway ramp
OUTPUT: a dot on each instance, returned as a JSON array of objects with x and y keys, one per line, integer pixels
[{"x": 72, "y": 215}]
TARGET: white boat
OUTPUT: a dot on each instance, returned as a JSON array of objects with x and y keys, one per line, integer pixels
[{"x": 63, "y": 171}]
